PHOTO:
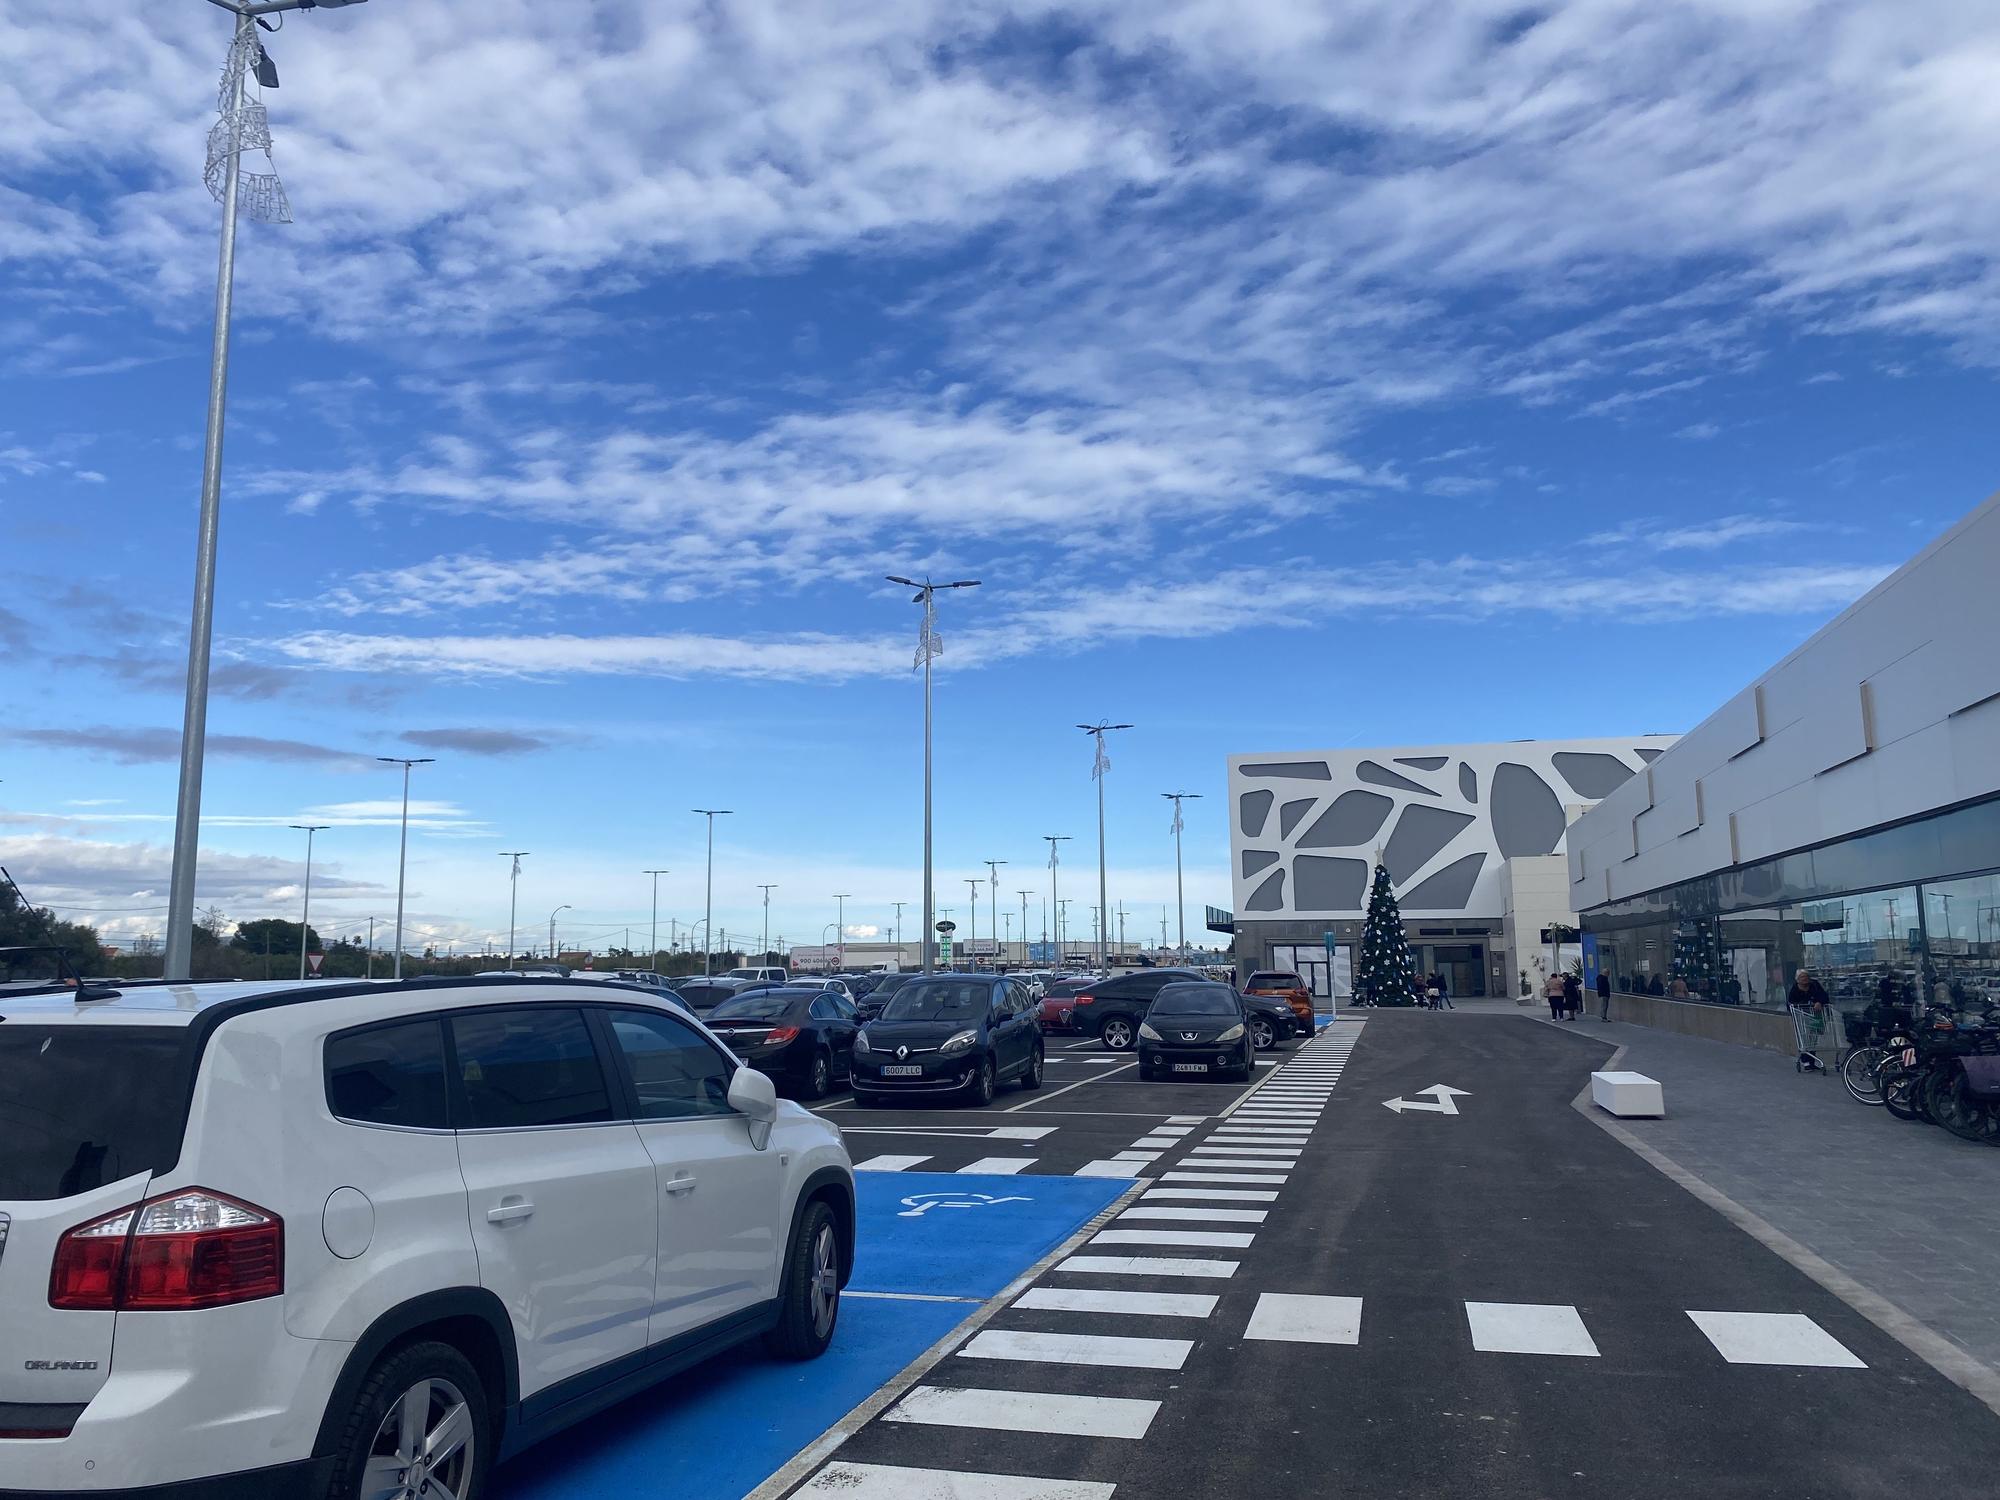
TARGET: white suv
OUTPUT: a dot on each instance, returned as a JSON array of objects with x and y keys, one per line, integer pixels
[{"x": 346, "y": 1240}]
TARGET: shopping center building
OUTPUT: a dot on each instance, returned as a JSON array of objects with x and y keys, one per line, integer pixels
[
  {"x": 1841, "y": 813},
  {"x": 1473, "y": 837}
]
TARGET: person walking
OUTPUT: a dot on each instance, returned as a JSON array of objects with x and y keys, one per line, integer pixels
[
  {"x": 1444, "y": 991},
  {"x": 1430, "y": 992},
  {"x": 1573, "y": 996},
  {"x": 1553, "y": 993},
  {"x": 1603, "y": 996},
  {"x": 1806, "y": 999}
]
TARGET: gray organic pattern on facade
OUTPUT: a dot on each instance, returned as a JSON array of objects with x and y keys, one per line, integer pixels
[
  {"x": 1423, "y": 762},
  {"x": 1468, "y": 782},
  {"x": 1258, "y": 859},
  {"x": 1255, "y": 808},
  {"x": 1295, "y": 770},
  {"x": 1420, "y": 832},
  {"x": 1382, "y": 776},
  {"x": 1650, "y": 755},
  {"x": 1448, "y": 890},
  {"x": 1527, "y": 817},
  {"x": 1590, "y": 774},
  {"x": 1322, "y": 884},
  {"x": 1291, "y": 812},
  {"x": 1355, "y": 817},
  {"x": 1270, "y": 896}
]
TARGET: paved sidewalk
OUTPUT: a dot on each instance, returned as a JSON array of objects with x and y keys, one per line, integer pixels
[{"x": 1908, "y": 1210}]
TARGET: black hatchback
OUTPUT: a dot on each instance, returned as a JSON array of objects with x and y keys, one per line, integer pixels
[
  {"x": 1200, "y": 1028},
  {"x": 960, "y": 1035},
  {"x": 803, "y": 1038}
]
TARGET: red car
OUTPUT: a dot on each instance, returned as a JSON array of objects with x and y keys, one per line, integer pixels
[
  {"x": 1058, "y": 1001},
  {"x": 1279, "y": 985}
]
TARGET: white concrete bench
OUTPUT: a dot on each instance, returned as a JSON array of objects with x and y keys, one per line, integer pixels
[{"x": 1627, "y": 1094}]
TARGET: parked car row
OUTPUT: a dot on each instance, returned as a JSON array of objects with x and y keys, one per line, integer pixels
[{"x": 1112, "y": 1010}]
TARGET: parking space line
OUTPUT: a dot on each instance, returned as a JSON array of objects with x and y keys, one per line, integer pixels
[
  {"x": 1025, "y": 1411},
  {"x": 1058, "y": 1093},
  {"x": 890, "y": 1163},
  {"x": 889, "y": 1482},
  {"x": 1109, "y": 1350}
]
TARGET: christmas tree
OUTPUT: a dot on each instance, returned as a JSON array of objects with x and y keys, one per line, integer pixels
[{"x": 1385, "y": 974}]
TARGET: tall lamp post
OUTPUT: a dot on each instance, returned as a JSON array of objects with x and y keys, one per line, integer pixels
[
  {"x": 840, "y": 926},
  {"x": 243, "y": 126},
  {"x": 653, "y": 958},
  {"x": 972, "y": 918},
  {"x": 305, "y": 917},
  {"x": 552, "y": 930},
  {"x": 1180, "y": 896},
  {"x": 1055, "y": 842},
  {"x": 993, "y": 907},
  {"x": 766, "y": 889},
  {"x": 708, "y": 910},
  {"x": 1098, "y": 767},
  {"x": 1024, "y": 924},
  {"x": 899, "y": 905},
  {"x": 929, "y": 647},
  {"x": 403, "y": 847},
  {"x": 513, "y": 897}
]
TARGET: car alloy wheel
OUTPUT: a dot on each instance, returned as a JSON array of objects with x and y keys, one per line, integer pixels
[
  {"x": 1117, "y": 1034},
  {"x": 424, "y": 1447},
  {"x": 1262, "y": 1034},
  {"x": 822, "y": 1076},
  {"x": 982, "y": 1082},
  {"x": 1032, "y": 1078},
  {"x": 825, "y": 1289}
]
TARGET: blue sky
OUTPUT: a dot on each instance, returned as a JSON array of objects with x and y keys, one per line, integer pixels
[{"x": 1438, "y": 372}]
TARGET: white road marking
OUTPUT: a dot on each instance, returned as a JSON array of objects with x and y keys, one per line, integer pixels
[
  {"x": 889, "y": 1482},
  {"x": 1148, "y": 1265},
  {"x": 890, "y": 1163},
  {"x": 1015, "y": 1109},
  {"x": 1214, "y": 1195},
  {"x": 1774, "y": 1339},
  {"x": 1184, "y": 1239},
  {"x": 998, "y": 1166},
  {"x": 1201, "y": 1215},
  {"x": 1156, "y": 1142},
  {"x": 1021, "y": 1132},
  {"x": 1107, "y": 1169},
  {"x": 1247, "y": 1150},
  {"x": 1025, "y": 1411},
  {"x": 1175, "y": 1130},
  {"x": 1270, "y": 1164},
  {"x": 1267, "y": 1135},
  {"x": 1078, "y": 1349},
  {"x": 1140, "y": 1304},
  {"x": 909, "y": 1297},
  {"x": 1137, "y": 1157},
  {"x": 1186, "y": 1119},
  {"x": 1528, "y": 1328},
  {"x": 1223, "y": 1176},
  {"x": 1301, "y": 1318}
]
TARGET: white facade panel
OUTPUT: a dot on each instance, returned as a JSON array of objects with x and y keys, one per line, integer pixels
[
  {"x": 1889, "y": 712},
  {"x": 1305, "y": 825}
]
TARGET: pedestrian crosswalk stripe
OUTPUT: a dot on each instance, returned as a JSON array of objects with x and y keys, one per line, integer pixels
[
  {"x": 1157, "y": 1141},
  {"x": 1139, "y": 1304},
  {"x": 1107, "y": 1169},
  {"x": 1214, "y": 1195},
  {"x": 1224, "y": 1176},
  {"x": 1201, "y": 1215},
  {"x": 1528, "y": 1328},
  {"x": 1303, "y": 1318},
  {"x": 1258, "y": 1150},
  {"x": 1137, "y": 1156},
  {"x": 890, "y": 1163},
  {"x": 1025, "y": 1411},
  {"x": 1169, "y": 1130},
  {"x": 1190, "y": 1239},
  {"x": 999, "y": 1166},
  {"x": 1078, "y": 1349},
  {"x": 1185, "y": 1119},
  {"x": 1148, "y": 1265},
  {"x": 1774, "y": 1339},
  {"x": 1198, "y": 1160},
  {"x": 889, "y": 1482}
]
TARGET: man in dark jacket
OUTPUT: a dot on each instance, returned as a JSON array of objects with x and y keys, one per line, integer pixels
[
  {"x": 1807, "y": 1000},
  {"x": 1603, "y": 996}
]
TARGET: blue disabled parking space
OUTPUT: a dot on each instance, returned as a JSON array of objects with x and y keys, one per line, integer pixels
[{"x": 945, "y": 1241}]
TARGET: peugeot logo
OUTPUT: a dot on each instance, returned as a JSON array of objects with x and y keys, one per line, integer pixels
[
  {"x": 1189, "y": 1036},
  {"x": 901, "y": 1053}
]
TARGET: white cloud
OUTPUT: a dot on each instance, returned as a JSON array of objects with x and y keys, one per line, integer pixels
[{"x": 1703, "y": 536}]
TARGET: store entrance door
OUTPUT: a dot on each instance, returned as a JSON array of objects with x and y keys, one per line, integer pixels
[{"x": 1462, "y": 964}]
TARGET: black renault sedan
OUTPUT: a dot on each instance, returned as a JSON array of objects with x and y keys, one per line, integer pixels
[
  {"x": 951, "y": 1035},
  {"x": 803, "y": 1038},
  {"x": 1197, "y": 1027}
]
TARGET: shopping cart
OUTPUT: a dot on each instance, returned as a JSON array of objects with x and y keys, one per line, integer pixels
[{"x": 1813, "y": 1030}]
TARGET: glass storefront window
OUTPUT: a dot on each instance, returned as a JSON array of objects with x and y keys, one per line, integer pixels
[
  {"x": 1962, "y": 918},
  {"x": 1865, "y": 948}
]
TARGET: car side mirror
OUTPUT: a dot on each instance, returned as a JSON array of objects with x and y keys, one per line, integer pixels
[{"x": 755, "y": 1097}]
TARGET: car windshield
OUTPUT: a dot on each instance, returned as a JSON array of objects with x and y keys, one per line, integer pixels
[
  {"x": 939, "y": 1000},
  {"x": 765, "y": 1005},
  {"x": 1195, "y": 1000},
  {"x": 1276, "y": 982}
]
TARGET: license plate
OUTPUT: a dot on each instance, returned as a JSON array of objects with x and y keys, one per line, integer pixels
[
  {"x": 1190, "y": 1067},
  {"x": 902, "y": 1070}
]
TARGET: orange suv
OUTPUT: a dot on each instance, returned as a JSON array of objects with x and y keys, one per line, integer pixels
[{"x": 1278, "y": 985}]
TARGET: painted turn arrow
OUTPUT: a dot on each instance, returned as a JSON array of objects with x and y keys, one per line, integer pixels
[{"x": 1441, "y": 1095}]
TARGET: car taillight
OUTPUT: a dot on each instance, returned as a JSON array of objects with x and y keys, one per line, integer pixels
[
  {"x": 180, "y": 1251},
  {"x": 780, "y": 1034},
  {"x": 1083, "y": 999}
]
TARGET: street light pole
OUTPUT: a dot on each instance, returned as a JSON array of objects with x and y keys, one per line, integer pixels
[
  {"x": 1055, "y": 841},
  {"x": 766, "y": 889},
  {"x": 403, "y": 847},
  {"x": 840, "y": 927},
  {"x": 552, "y": 930},
  {"x": 1024, "y": 925},
  {"x": 241, "y": 127},
  {"x": 513, "y": 897},
  {"x": 305, "y": 917},
  {"x": 1098, "y": 767},
  {"x": 1180, "y": 895},
  {"x": 972, "y": 940},
  {"x": 653, "y": 958},
  {"x": 899, "y": 905},
  {"x": 993, "y": 900},
  {"x": 929, "y": 646},
  {"x": 708, "y": 910}
]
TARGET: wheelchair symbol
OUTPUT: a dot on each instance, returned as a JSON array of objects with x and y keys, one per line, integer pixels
[{"x": 918, "y": 1204}]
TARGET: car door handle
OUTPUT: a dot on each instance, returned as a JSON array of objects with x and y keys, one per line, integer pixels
[
  {"x": 678, "y": 1185},
  {"x": 510, "y": 1211}
]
